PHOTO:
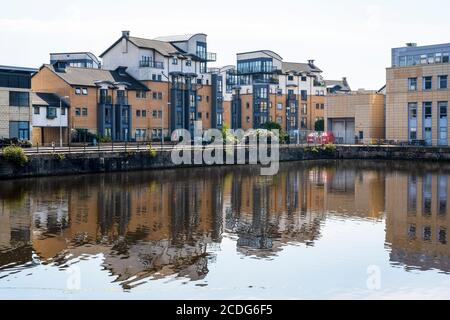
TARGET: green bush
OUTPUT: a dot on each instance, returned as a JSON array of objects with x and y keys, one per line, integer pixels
[
  {"x": 330, "y": 148},
  {"x": 152, "y": 151},
  {"x": 15, "y": 155},
  {"x": 59, "y": 156}
]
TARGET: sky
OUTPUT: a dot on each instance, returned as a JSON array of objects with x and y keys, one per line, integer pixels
[{"x": 348, "y": 38}]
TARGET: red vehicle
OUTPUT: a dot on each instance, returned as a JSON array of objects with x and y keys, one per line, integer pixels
[{"x": 321, "y": 138}]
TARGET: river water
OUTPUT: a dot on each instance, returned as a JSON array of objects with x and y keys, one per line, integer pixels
[{"x": 317, "y": 230}]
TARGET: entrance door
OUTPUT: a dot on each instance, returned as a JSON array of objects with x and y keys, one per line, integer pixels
[
  {"x": 338, "y": 128},
  {"x": 350, "y": 132}
]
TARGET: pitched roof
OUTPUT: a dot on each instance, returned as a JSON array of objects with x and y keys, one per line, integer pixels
[
  {"x": 299, "y": 67},
  {"x": 178, "y": 38},
  {"x": 341, "y": 83},
  {"x": 164, "y": 48},
  {"x": 46, "y": 99},
  {"x": 90, "y": 77}
]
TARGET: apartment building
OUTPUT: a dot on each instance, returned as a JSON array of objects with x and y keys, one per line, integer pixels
[
  {"x": 418, "y": 95},
  {"x": 264, "y": 88},
  {"x": 174, "y": 69},
  {"x": 356, "y": 116},
  {"x": 110, "y": 104},
  {"x": 15, "y": 102}
]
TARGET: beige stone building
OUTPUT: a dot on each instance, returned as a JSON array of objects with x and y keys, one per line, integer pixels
[
  {"x": 418, "y": 95},
  {"x": 15, "y": 102},
  {"x": 357, "y": 116}
]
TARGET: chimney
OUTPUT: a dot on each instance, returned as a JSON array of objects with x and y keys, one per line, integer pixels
[
  {"x": 125, "y": 35},
  {"x": 311, "y": 62},
  {"x": 344, "y": 81},
  {"x": 411, "y": 44}
]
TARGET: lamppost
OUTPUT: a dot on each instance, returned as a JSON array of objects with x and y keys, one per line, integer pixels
[{"x": 60, "y": 120}]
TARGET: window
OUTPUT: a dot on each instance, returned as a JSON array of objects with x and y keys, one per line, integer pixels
[
  {"x": 63, "y": 111},
  {"x": 304, "y": 108},
  {"x": 427, "y": 83},
  {"x": 361, "y": 135},
  {"x": 428, "y": 110},
  {"x": 207, "y": 98},
  {"x": 78, "y": 91},
  {"x": 84, "y": 91},
  {"x": 140, "y": 94},
  {"x": 155, "y": 95},
  {"x": 304, "y": 79},
  {"x": 304, "y": 95},
  {"x": 303, "y": 123},
  {"x": 279, "y": 106},
  {"x": 37, "y": 110},
  {"x": 77, "y": 112},
  {"x": 51, "y": 113},
  {"x": 443, "y": 106},
  {"x": 200, "y": 115},
  {"x": 144, "y": 113},
  {"x": 248, "y": 119},
  {"x": 138, "y": 113},
  {"x": 291, "y": 78},
  {"x": 248, "y": 105},
  {"x": 159, "y": 77},
  {"x": 200, "y": 98},
  {"x": 155, "y": 114},
  {"x": 188, "y": 63},
  {"x": 154, "y": 77},
  {"x": 84, "y": 112},
  {"x": 19, "y": 130},
  {"x": 443, "y": 82},
  {"x": 19, "y": 99},
  {"x": 199, "y": 81},
  {"x": 160, "y": 114},
  {"x": 322, "y": 106},
  {"x": 207, "y": 115},
  {"x": 412, "y": 84},
  {"x": 317, "y": 106},
  {"x": 175, "y": 61},
  {"x": 279, "y": 120},
  {"x": 160, "y": 95}
]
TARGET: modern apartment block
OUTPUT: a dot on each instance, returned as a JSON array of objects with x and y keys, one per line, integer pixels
[
  {"x": 174, "y": 69},
  {"x": 263, "y": 88},
  {"x": 418, "y": 95},
  {"x": 111, "y": 104},
  {"x": 15, "y": 102},
  {"x": 356, "y": 116}
]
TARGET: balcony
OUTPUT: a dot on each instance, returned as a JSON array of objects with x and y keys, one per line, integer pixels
[
  {"x": 319, "y": 83},
  {"x": 151, "y": 64},
  {"x": 105, "y": 100},
  {"x": 122, "y": 101}
]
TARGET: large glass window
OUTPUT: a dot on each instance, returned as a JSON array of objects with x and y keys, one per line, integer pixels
[
  {"x": 9, "y": 80},
  {"x": 19, "y": 99},
  {"x": 412, "y": 123},
  {"x": 19, "y": 130}
]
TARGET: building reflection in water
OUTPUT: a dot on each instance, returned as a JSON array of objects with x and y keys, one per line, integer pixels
[{"x": 154, "y": 225}]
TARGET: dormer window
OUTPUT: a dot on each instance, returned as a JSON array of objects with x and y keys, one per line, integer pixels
[
  {"x": 174, "y": 61},
  {"x": 291, "y": 78},
  {"x": 188, "y": 63}
]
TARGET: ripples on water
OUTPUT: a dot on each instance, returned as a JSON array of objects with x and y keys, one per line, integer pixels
[{"x": 313, "y": 231}]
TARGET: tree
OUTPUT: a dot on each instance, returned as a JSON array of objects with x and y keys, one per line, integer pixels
[
  {"x": 320, "y": 125},
  {"x": 271, "y": 126}
]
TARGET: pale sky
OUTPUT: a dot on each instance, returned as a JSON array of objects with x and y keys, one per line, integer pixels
[{"x": 346, "y": 38}]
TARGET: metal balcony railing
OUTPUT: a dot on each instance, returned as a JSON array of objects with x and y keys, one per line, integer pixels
[
  {"x": 151, "y": 64},
  {"x": 122, "y": 101}
]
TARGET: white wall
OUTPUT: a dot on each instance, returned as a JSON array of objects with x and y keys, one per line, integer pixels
[{"x": 40, "y": 120}]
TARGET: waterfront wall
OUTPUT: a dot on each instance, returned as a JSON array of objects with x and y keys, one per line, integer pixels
[{"x": 83, "y": 163}]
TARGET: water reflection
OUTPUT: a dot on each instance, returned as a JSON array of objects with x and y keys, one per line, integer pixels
[{"x": 154, "y": 225}]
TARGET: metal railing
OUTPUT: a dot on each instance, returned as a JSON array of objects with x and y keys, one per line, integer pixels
[{"x": 151, "y": 64}]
